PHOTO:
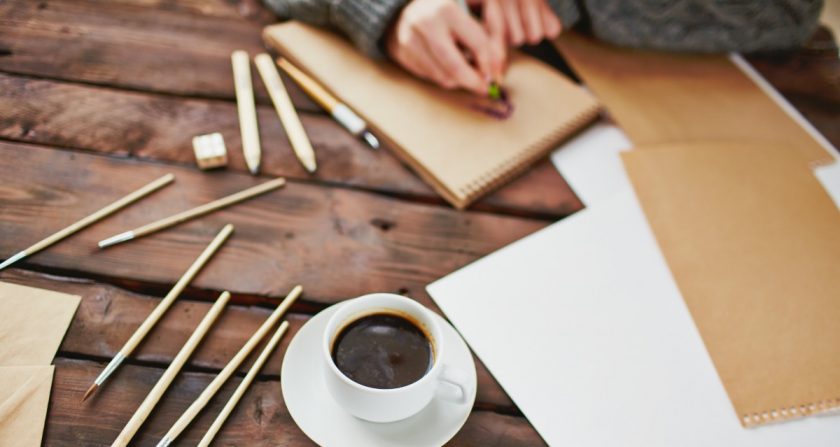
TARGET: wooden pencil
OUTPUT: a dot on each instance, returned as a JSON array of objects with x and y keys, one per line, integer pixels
[
  {"x": 211, "y": 389},
  {"x": 95, "y": 217},
  {"x": 160, "y": 309},
  {"x": 286, "y": 111},
  {"x": 247, "y": 111},
  {"x": 168, "y": 376},
  {"x": 243, "y": 386},
  {"x": 193, "y": 213}
]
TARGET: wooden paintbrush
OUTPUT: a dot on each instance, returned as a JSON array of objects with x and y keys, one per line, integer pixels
[
  {"x": 102, "y": 213},
  {"x": 159, "y": 310},
  {"x": 243, "y": 386},
  {"x": 181, "y": 424},
  {"x": 168, "y": 376},
  {"x": 192, "y": 213}
]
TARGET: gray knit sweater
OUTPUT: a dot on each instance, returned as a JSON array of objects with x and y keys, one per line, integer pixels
[{"x": 679, "y": 25}]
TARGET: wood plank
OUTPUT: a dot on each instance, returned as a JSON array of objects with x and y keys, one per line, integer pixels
[
  {"x": 260, "y": 419},
  {"x": 108, "y": 315},
  {"x": 161, "y": 128},
  {"x": 809, "y": 78},
  {"x": 128, "y": 45},
  {"x": 252, "y": 10},
  {"x": 337, "y": 243}
]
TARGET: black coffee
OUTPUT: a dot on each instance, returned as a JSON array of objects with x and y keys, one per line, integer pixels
[{"x": 383, "y": 350}]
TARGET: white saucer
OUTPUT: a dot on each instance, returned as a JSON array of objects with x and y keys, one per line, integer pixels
[{"x": 319, "y": 416}]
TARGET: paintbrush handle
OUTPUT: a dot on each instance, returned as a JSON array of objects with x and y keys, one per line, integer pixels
[
  {"x": 324, "y": 98},
  {"x": 243, "y": 386},
  {"x": 286, "y": 111},
  {"x": 168, "y": 376},
  {"x": 181, "y": 424},
  {"x": 102, "y": 213},
  {"x": 179, "y": 286},
  {"x": 208, "y": 207}
]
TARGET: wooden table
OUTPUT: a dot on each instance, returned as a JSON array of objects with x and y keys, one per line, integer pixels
[{"x": 99, "y": 97}]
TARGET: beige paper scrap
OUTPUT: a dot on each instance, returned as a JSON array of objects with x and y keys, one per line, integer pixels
[{"x": 33, "y": 324}]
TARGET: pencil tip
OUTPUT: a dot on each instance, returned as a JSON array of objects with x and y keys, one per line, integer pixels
[
  {"x": 90, "y": 391},
  {"x": 311, "y": 166},
  {"x": 254, "y": 168}
]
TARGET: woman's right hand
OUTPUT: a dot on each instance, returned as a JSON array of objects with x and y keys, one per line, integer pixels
[{"x": 431, "y": 39}]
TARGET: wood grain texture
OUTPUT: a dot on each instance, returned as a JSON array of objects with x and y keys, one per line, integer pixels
[
  {"x": 108, "y": 315},
  {"x": 156, "y": 127},
  {"x": 337, "y": 243},
  {"x": 809, "y": 78},
  {"x": 261, "y": 418},
  {"x": 128, "y": 45}
]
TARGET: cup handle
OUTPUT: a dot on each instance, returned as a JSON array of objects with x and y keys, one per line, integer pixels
[{"x": 456, "y": 382}]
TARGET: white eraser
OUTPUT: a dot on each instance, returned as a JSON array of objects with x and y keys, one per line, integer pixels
[{"x": 210, "y": 151}]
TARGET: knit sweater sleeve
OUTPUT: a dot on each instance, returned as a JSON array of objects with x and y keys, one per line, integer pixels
[
  {"x": 363, "y": 21},
  {"x": 701, "y": 25}
]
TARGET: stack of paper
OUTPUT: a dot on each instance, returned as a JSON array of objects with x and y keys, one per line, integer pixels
[
  {"x": 592, "y": 340},
  {"x": 33, "y": 325}
]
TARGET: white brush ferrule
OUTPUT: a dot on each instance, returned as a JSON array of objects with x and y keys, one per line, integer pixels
[
  {"x": 348, "y": 119},
  {"x": 113, "y": 240},
  {"x": 12, "y": 259},
  {"x": 112, "y": 366}
]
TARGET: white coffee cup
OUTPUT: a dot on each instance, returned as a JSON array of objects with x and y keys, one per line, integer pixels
[{"x": 391, "y": 404}]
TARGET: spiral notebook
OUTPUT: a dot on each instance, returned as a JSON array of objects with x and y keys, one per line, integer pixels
[{"x": 444, "y": 135}]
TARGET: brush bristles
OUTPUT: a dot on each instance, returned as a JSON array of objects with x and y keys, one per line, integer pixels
[{"x": 90, "y": 391}]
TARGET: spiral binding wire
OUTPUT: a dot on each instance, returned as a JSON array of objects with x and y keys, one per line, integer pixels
[{"x": 511, "y": 167}]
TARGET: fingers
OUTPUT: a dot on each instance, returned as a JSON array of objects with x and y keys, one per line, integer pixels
[
  {"x": 551, "y": 23},
  {"x": 531, "y": 20},
  {"x": 494, "y": 21},
  {"x": 515, "y": 32},
  {"x": 475, "y": 40},
  {"x": 444, "y": 50}
]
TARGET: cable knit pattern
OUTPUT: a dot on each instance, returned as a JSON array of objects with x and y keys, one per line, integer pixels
[
  {"x": 704, "y": 25},
  {"x": 678, "y": 25},
  {"x": 363, "y": 21}
]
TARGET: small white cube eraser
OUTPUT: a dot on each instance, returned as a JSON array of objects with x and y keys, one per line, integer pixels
[{"x": 210, "y": 151}]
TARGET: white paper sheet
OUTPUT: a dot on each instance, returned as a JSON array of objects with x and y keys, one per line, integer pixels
[
  {"x": 583, "y": 326},
  {"x": 590, "y": 162}
]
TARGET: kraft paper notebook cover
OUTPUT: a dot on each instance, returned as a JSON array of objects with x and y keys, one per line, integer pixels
[
  {"x": 33, "y": 323},
  {"x": 659, "y": 97},
  {"x": 24, "y": 398},
  {"x": 753, "y": 242},
  {"x": 461, "y": 152}
]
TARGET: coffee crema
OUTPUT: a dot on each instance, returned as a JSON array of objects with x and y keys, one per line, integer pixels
[{"x": 383, "y": 350}]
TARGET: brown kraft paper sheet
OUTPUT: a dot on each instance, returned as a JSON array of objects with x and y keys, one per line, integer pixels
[
  {"x": 659, "y": 97},
  {"x": 753, "y": 242}
]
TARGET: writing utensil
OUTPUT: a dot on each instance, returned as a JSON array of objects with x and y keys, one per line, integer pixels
[
  {"x": 168, "y": 376},
  {"x": 339, "y": 111},
  {"x": 494, "y": 90},
  {"x": 84, "y": 222},
  {"x": 243, "y": 386},
  {"x": 286, "y": 111},
  {"x": 159, "y": 310},
  {"x": 181, "y": 424},
  {"x": 192, "y": 213},
  {"x": 246, "y": 108}
]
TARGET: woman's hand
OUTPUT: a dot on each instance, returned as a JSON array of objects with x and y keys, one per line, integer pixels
[
  {"x": 516, "y": 22},
  {"x": 439, "y": 41}
]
